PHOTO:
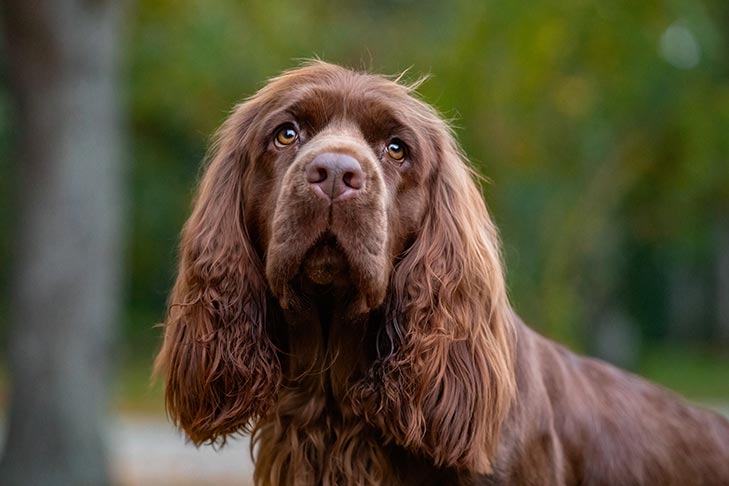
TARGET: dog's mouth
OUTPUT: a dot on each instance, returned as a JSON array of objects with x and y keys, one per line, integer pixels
[{"x": 325, "y": 263}]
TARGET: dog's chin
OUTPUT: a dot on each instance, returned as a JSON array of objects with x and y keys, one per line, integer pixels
[
  {"x": 327, "y": 270},
  {"x": 325, "y": 264}
]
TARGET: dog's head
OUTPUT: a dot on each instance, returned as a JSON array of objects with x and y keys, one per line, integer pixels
[{"x": 330, "y": 178}]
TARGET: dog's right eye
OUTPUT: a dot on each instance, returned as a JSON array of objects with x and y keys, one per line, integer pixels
[{"x": 286, "y": 135}]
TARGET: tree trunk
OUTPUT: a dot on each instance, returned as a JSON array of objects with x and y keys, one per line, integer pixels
[{"x": 63, "y": 59}]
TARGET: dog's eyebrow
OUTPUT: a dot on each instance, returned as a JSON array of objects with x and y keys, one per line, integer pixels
[
  {"x": 382, "y": 119},
  {"x": 276, "y": 118},
  {"x": 310, "y": 106}
]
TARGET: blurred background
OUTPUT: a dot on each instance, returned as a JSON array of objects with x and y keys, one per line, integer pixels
[{"x": 603, "y": 128}]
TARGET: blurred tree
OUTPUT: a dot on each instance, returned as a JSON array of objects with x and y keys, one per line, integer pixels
[{"x": 63, "y": 61}]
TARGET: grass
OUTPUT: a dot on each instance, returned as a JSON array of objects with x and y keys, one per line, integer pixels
[{"x": 691, "y": 371}]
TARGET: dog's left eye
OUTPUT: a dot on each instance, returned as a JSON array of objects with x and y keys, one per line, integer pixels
[
  {"x": 286, "y": 135},
  {"x": 396, "y": 149}
]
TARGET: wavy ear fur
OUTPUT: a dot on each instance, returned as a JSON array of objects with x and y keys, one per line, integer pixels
[
  {"x": 220, "y": 368},
  {"x": 445, "y": 378}
]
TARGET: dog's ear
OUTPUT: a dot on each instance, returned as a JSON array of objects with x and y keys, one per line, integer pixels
[
  {"x": 445, "y": 380},
  {"x": 220, "y": 368}
]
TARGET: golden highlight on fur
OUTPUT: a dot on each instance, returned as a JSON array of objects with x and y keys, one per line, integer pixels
[{"x": 370, "y": 340}]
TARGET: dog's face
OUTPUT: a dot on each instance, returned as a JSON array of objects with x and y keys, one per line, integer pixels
[{"x": 336, "y": 191}]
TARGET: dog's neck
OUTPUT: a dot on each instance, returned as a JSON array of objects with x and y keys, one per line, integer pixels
[{"x": 327, "y": 345}]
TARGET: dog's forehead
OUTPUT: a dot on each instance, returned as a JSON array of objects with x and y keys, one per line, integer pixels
[
  {"x": 325, "y": 97},
  {"x": 373, "y": 110}
]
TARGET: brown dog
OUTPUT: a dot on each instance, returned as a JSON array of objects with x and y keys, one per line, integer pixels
[{"x": 341, "y": 295}]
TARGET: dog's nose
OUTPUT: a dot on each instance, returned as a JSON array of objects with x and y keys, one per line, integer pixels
[{"x": 335, "y": 176}]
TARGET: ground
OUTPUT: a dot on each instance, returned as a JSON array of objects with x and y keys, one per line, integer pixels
[{"x": 149, "y": 451}]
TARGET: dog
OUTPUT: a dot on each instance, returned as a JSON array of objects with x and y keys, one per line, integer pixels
[{"x": 341, "y": 297}]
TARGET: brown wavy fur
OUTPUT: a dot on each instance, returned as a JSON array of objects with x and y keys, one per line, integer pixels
[
  {"x": 221, "y": 370},
  {"x": 409, "y": 367},
  {"x": 445, "y": 384}
]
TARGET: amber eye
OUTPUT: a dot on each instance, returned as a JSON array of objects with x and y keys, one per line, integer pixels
[
  {"x": 396, "y": 149},
  {"x": 286, "y": 135}
]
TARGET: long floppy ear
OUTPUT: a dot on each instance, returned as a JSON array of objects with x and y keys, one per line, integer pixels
[
  {"x": 446, "y": 380},
  {"x": 220, "y": 368}
]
